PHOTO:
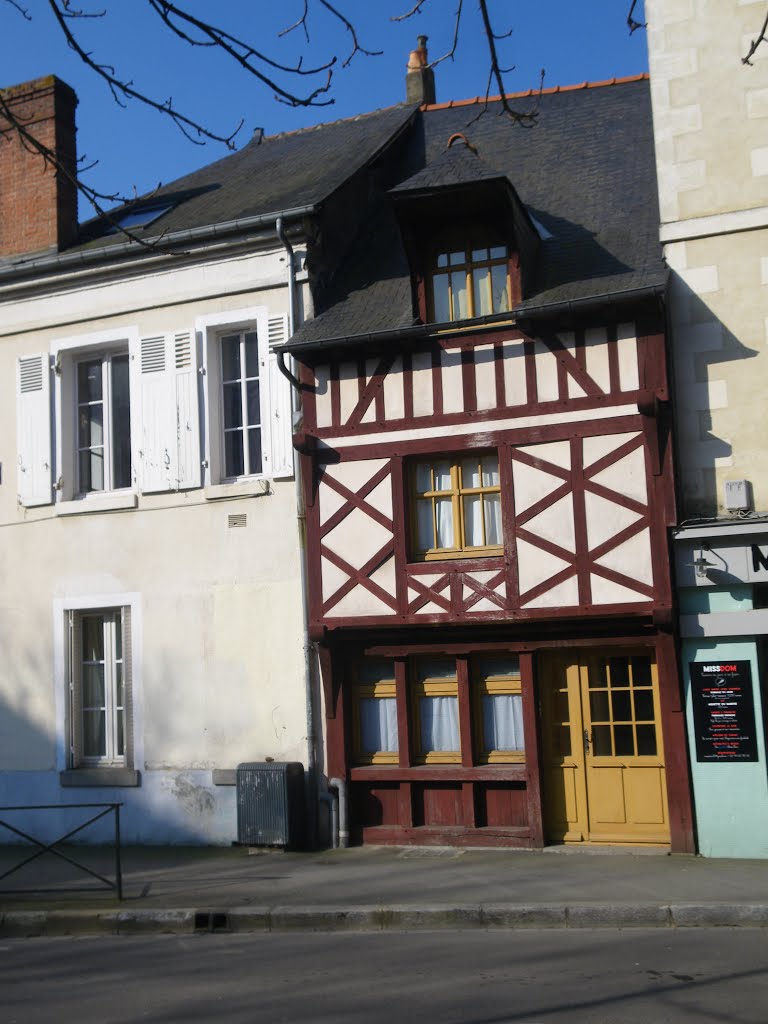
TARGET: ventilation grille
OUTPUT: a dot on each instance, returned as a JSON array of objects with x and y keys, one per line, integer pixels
[
  {"x": 276, "y": 331},
  {"x": 183, "y": 351},
  {"x": 152, "y": 355},
  {"x": 237, "y": 520},
  {"x": 31, "y": 374}
]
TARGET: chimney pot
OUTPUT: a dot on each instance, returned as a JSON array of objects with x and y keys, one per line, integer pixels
[{"x": 419, "y": 78}]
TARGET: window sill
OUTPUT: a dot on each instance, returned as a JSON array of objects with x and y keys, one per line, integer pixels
[
  {"x": 82, "y": 778},
  {"x": 238, "y": 489},
  {"x": 457, "y": 563},
  {"x": 105, "y": 503}
]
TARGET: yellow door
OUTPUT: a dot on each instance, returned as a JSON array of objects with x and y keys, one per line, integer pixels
[{"x": 603, "y": 761}]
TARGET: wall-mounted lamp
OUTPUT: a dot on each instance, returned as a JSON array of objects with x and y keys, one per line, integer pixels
[{"x": 700, "y": 563}]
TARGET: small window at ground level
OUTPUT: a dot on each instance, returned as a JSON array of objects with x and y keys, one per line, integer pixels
[
  {"x": 457, "y": 506},
  {"x": 498, "y": 709},
  {"x": 436, "y": 711},
  {"x": 470, "y": 281},
  {"x": 99, "y": 687},
  {"x": 375, "y": 713}
]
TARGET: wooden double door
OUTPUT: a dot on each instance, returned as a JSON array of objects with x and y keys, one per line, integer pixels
[{"x": 604, "y": 777}]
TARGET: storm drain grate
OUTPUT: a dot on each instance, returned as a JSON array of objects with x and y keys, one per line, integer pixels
[{"x": 211, "y": 921}]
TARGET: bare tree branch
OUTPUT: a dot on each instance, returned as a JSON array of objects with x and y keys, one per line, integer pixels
[
  {"x": 756, "y": 42},
  {"x": 631, "y": 21}
]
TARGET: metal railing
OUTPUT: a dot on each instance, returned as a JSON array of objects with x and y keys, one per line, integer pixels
[{"x": 53, "y": 848}]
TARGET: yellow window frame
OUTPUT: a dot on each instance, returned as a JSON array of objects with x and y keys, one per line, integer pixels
[
  {"x": 491, "y": 686},
  {"x": 368, "y": 691},
  {"x": 457, "y": 494},
  {"x": 433, "y": 688},
  {"x": 469, "y": 268}
]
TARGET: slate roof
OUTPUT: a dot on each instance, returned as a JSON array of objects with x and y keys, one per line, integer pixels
[
  {"x": 585, "y": 171},
  {"x": 274, "y": 175},
  {"x": 455, "y": 166}
]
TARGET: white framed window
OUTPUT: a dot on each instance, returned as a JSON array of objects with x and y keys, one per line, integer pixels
[
  {"x": 98, "y": 689},
  {"x": 248, "y": 400},
  {"x": 103, "y": 433}
]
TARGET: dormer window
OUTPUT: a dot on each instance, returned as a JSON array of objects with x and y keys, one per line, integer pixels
[{"x": 469, "y": 282}]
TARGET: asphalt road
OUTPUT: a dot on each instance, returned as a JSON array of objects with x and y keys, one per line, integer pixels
[{"x": 707, "y": 976}]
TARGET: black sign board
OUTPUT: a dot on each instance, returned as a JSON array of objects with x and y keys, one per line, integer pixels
[{"x": 723, "y": 711}]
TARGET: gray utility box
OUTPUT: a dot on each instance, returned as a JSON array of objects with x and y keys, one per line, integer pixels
[{"x": 270, "y": 803}]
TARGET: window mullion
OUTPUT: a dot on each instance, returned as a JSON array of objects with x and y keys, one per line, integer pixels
[{"x": 244, "y": 408}]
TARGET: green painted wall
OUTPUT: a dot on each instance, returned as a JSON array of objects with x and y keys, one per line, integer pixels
[{"x": 731, "y": 800}]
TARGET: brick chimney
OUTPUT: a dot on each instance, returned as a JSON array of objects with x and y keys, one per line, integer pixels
[
  {"x": 38, "y": 204},
  {"x": 420, "y": 78}
]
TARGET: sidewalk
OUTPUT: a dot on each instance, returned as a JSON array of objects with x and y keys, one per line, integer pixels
[{"x": 183, "y": 889}]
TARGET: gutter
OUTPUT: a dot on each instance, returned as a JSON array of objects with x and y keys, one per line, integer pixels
[
  {"x": 515, "y": 316},
  {"x": 90, "y": 257}
]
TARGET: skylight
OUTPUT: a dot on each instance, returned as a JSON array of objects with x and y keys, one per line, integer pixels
[{"x": 139, "y": 217}]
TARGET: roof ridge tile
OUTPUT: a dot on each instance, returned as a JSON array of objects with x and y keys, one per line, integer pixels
[{"x": 626, "y": 79}]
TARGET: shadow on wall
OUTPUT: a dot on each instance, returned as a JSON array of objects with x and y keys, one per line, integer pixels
[
  {"x": 700, "y": 343},
  {"x": 169, "y": 806}
]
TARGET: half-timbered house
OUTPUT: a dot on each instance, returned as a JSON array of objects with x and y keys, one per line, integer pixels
[{"x": 488, "y": 484}]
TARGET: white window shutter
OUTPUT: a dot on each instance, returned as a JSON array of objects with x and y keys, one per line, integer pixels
[
  {"x": 157, "y": 437},
  {"x": 281, "y": 427},
  {"x": 187, "y": 412},
  {"x": 33, "y": 421}
]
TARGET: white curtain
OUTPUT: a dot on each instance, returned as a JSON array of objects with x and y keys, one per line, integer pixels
[
  {"x": 439, "y": 723},
  {"x": 503, "y": 721},
  {"x": 444, "y": 519},
  {"x": 378, "y": 724}
]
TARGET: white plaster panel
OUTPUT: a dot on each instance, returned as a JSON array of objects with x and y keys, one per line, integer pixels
[
  {"x": 605, "y": 519},
  {"x": 385, "y": 576},
  {"x": 575, "y": 390},
  {"x": 626, "y": 343},
  {"x": 485, "y": 376},
  {"x": 483, "y": 577},
  {"x": 759, "y": 158},
  {"x": 380, "y": 497},
  {"x": 483, "y": 605},
  {"x": 355, "y": 473},
  {"x": 556, "y": 452},
  {"x": 394, "y": 403},
  {"x": 428, "y": 581},
  {"x": 531, "y": 485},
  {"x": 633, "y": 558},
  {"x": 757, "y": 103},
  {"x": 421, "y": 375},
  {"x": 596, "y": 353},
  {"x": 546, "y": 373},
  {"x": 323, "y": 395},
  {"x": 453, "y": 384},
  {"x": 607, "y": 592},
  {"x": 332, "y": 578},
  {"x": 330, "y": 502},
  {"x": 564, "y": 595},
  {"x": 369, "y": 415},
  {"x": 348, "y": 389},
  {"x": 515, "y": 387},
  {"x": 534, "y": 565},
  {"x": 357, "y": 538},
  {"x": 359, "y": 601},
  {"x": 701, "y": 280},
  {"x": 627, "y": 476},
  {"x": 431, "y": 609},
  {"x": 556, "y": 524},
  {"x": 602, "y": 444}
]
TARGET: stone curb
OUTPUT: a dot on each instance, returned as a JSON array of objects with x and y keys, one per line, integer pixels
[{"x": 426, "y": 917}]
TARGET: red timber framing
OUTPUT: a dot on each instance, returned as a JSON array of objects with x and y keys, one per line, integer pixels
[{"x": 579, "y": 421}]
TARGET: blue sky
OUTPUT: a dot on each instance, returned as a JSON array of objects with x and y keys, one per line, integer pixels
[{"x": 136, "y": 149}]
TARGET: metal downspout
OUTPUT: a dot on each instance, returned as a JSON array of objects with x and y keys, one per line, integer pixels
[{"x": 309, "y": 651}]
